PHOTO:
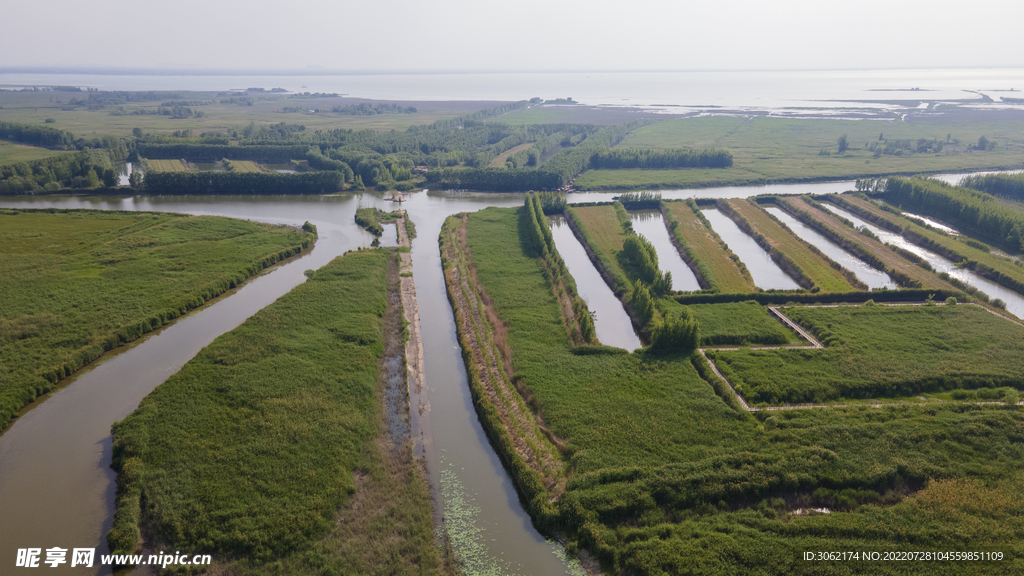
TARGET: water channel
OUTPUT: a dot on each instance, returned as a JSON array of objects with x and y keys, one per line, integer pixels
[
  {"x": 650, "y": 224},
  {"x": 763, "y": 270},
  {"x": 55, "y": 482},
  {"x": 611, "y": 323},
  {"x": 866, "y": 274},
  {"x": 1014, "y": 301}
]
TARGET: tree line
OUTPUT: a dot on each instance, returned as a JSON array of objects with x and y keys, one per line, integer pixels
[
  {"x": 85, "y": 169},
  {"x": 42, "y": 136},
  {"x": 247, "y": 183},
  {"x": 1007, "y": 185},
  {"x": 534, "y": 226},
  {"x": 963, "y": 207},
  {"x": 620, "y": 158}
]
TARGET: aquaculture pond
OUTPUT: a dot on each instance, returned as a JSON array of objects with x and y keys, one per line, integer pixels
[
  {"x": 866, "y": 274},
  {"x": 611, "y": 322},
  {"x": 650, "y": 224},
  {"x": 1014, "y": 301},
  {"x": 766, "y": 273}
]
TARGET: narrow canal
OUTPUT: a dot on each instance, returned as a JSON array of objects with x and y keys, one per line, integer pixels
[
  {"x": 55, "y": 478},
  {"x": 1014, "y": 301},
  {"x": 611, "y": 322},
  {"x": 763, "y": 270},
  {"x": 866, "y": 274},
  {"x": 650, "y": 224}
]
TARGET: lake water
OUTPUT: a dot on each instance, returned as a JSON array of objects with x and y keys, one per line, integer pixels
[{"x": 787, "y": 92}]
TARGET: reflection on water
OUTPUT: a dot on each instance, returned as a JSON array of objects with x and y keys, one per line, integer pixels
[
  {"x": 934, "y": 224},
  {"x": 1014, "y": 301},
  {"x": 763, "y": 270},
  {"x": 611, "y": 322},
  {"x": 650, "y": 224},
  {"x": 866, "y": 274}
]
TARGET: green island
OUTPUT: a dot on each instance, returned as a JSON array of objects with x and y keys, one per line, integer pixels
[
  {"x": 76, "y": 283},
  {"x": 307, "y": 474}
]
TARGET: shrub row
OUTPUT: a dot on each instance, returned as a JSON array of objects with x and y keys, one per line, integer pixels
[{"x": 245, "y": 183}]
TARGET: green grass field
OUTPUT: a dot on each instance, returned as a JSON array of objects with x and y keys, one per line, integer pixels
[
  {"x": 76, "y": 283},
  {"x": 165, "y": 166},
  {"x": 603, "y": 227},
  {"x": 35, "y": 107},
  {"x": 266, "y": 448},
  {"x": 244, "y": 166},
  {"x": 784, "y": 149},
  {"x": 880, "y": 352},
  {"x": 667, "y": 479},
  {"x": 813, "y": 266},
  {"x": 721, "y": 271},
  {"x": 12, "y": 152},
  {"x": 736, "y": 324}
]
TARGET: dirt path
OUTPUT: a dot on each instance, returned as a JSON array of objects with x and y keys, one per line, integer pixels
[
  {"x": 499, "y": 160},
  {"x": 815, "y": 344},
  {"x": 419, "y": 405}
]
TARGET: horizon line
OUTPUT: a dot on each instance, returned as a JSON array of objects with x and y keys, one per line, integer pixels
[{"x": 319, "y": 71}]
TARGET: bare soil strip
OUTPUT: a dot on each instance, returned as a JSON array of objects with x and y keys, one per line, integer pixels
[
  {"x": 499, "y": 160},
  {"x": 485, "y": 348}
]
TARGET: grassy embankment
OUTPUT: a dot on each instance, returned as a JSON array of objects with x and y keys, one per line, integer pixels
[
  {"x": 788, "y": 150},
  {"x": 270, "y": 449},
  {"x": 665, "y": 478},
  {"x": 960, "y": 249},
  {"x": 243, "y": 166},
  {"x": 11, "y": 152},
  {"x": 716, "y": 267},
  {"x": 499, "y": 160},
  {"x": 153, "y": 165},
  {"x": 74, "y": 284},
  {"x": 867, "y": 248},
  {"x": 882, "y": 351},
  {"x": 800, "y": 260},
  {"x": 603, "y": 235}
]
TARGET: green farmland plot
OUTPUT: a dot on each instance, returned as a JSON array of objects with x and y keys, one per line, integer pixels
[
  {"x": 78, "y": 282},
  {"x": 666, "y": 478},
  {"x": 882, "y": 351}
]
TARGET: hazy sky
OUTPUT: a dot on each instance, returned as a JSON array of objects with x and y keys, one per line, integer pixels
[{"x": 518, "y": 35}]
